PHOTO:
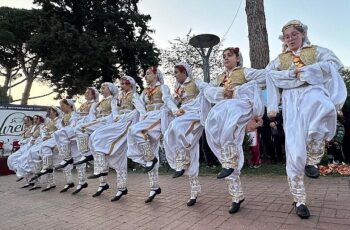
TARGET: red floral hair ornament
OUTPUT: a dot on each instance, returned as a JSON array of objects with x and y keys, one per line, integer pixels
[
  {"x": 126, "y": 82},
  {"x": 92, "y": 91},
  {"x": 154, "y": 69}
]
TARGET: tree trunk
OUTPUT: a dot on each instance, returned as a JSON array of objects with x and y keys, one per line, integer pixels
[
  {"x": 258, "y": 39},
  {"x": 30, "y": 74},
  {"x": 7, "y": 76},
  {"x": 26, "y": 92}
]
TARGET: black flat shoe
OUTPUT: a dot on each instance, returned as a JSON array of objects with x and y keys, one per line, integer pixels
[
  {"x": 124, "y": 192},
  {"x": 235, "y": 207},
  {"x": 85, "y": 185},
  {"x": 179, "y": 173},
  {"x": 68, "y": 186},
  {"x": 311, "y": 171},
  {"x": 19, "y": 179},
  {"x": 149, "y": 168},
  {"x": 224, "y": 173},
  {"x": 150, "y": 198},
  {"x": 95, "y": 176},
  {"x": 41, "y": 174},
  {"x": 302, "y": 211},
  {"x": 98, "y": 193},
  {"x": 191, "y": 202},
  {"x": 34, "y": 188},
  {"x": 28, "y": 185},
  {"x": 61, "y": 166},
  {"x": 48, "y": 188},
  {"x": 87, "y": 159}
]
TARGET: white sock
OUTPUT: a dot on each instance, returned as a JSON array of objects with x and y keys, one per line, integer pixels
[
  {"x": 100, "y": 187},
  {"x": 298, "y": 204},
  {"x": 82, "y": 158},
  {"x": 152, "y": 192},
  {"x": 119, "y": 193},
  {"x": 149, "y": 163}
]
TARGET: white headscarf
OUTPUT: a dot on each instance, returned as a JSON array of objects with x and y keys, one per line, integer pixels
[
  {"x": 97, "y": 93},
  {"x": 187, "y": 68},
  {"x": 294, "y": 23},
  {"x": 71, "y": 103},
  {"x": 112, "y": 88},
  {"x": 160, "y": 77},
  {"x": 60, "y": 113},
  {"x": 131, "y": 80}
]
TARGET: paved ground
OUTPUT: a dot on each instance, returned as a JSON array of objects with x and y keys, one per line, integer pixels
[{"x": 267, "y": 206}]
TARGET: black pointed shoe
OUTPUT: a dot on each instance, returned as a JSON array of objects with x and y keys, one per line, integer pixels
[
  {"x": 302, "y": 211},
  {"x": 179, "y": 173},
  {"x": 149, "y": 168},
  {"x": 48, "y": 188},
  {"x": 98, "y": 193},
  {"x": 95, "y": 176},
  {"x": 68, "y": 162},
  {"x": 49, "y": 170},
  {"x": 85, "y": 185},
  {"x": 35, "y": 187},
  {"x": 225, "y": 173},
  {"x": 66, "y": 187},
  {"x": 85, "y": 160},
  {"x": 150, "y": 198},
  {"x": 28, "y": 185},
  {"x": 124, "y": 192},
  {"x": 235, "y": 207},
  {"x": 19, "y": 179},
  {"x": 312, "y": 171},
  {"x": 191, "y": 202}
]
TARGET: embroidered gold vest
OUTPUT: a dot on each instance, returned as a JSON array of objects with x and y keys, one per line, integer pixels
[
  {"x": 27, "y": 132},
  {"x": 125, "y": 102},
  {"x": 189, "y": 92},
  {"x": 104, "y": 108},
  {"x": 84, "y": 109},
  {"x": 307, "y": 56},
  {"x": 50, "y": 127},
  {"x": 153, "y": 99},
  {"x": 66, "y": 118},
  {"x": 36, "y": 132},
  {"x": 237, "y": 77}
]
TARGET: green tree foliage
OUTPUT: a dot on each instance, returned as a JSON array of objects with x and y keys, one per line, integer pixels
[
  {"x": 17, "y": 60},
  {"x": 346, "y": 76},
  {"x": 86, "y": 42}
]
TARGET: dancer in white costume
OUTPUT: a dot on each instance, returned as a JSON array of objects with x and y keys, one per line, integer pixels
[
  {"x": 181, "y": 139},
  {"x": 108, "y": 143},
  {"x": 105, "y": 112},
  {"x": 45, "y": 149},
  {"x": 66, "y": 139},
  {"x": 13, "y": 159},
  {"x": 102, "y": 113},
  {"x": 143, "y": 138},
  {"x": 24, "y": 167},
  {"x": 69, "y": 120},
  {"x": 237, "y": 96},
  {"x": 313, "y": 91},
  {"x": 84, "y": 115}
]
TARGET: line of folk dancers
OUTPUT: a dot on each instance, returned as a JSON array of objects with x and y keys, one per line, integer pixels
[{"x": 304, "y": 78}]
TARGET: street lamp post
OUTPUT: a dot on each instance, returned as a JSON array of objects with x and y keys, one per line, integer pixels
[{"x": 200, "y": 43}]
